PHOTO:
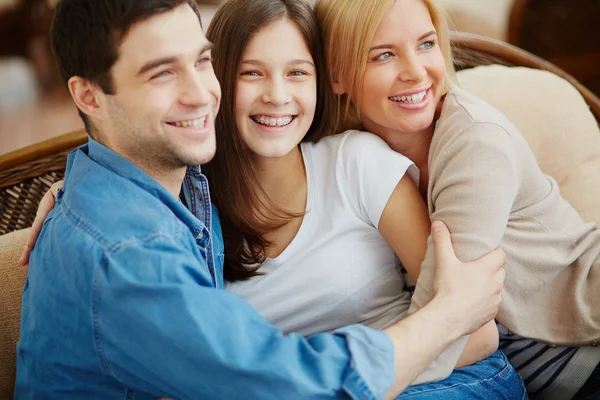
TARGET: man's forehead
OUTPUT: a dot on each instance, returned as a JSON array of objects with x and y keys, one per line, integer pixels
[{"x": 174, "y": 32}]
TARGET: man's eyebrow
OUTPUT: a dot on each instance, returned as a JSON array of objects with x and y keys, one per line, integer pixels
[
  {"x": 291, "y": 62},
  {"x": 152, "y": 64},
  {"x": 388, "y": 46}
]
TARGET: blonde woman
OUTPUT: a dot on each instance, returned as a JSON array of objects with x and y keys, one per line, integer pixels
[{"x": 391, "y": 66}]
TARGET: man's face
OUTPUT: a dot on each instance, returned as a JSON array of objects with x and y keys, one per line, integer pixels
[{"x": 166, "y": 95}]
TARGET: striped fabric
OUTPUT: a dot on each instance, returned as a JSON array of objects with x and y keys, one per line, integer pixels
[{"x": 549, "y": 371}]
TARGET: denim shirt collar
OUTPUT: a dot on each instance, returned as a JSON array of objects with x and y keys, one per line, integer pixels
[{"x": 195, "y": 217}]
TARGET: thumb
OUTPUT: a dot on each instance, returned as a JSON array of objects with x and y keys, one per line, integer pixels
[{"x": 442, "y": 244}]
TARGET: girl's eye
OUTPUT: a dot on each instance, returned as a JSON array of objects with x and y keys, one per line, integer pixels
[
  {"x": 384, "y": 56},
  {"x": 298, "y": 73},
  {"x": 250, "y": 73},
  {"x": 428, "y": 44}
]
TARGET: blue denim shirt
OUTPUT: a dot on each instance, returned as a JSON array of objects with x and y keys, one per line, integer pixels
[{"x": 124, "y": 300}]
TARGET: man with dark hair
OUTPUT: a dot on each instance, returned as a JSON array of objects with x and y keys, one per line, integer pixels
[{"x": 124, "y": 299}]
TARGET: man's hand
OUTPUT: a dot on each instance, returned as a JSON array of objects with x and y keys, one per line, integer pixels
[
  {"x": 46, "y": 205},
  {"x": 473, "y": 290}
]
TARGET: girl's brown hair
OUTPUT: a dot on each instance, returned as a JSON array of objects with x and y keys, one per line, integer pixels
[
  {"x": 349, "y": 27},
  {"x": 245, "y": 210}
]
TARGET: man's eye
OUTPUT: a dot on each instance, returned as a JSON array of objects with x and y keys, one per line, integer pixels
[
  {"x": 161, "y": 74},
  {"x": 204, "y": 60}
]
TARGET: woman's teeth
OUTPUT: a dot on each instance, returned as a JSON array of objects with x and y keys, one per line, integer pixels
[
  {"x": 268, "y": 121},
  {"x": 192, "y": 123},
  {"x": 415, "y": 98}
]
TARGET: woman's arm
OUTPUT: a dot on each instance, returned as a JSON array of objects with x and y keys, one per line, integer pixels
[{"x": 405, "y": 225}]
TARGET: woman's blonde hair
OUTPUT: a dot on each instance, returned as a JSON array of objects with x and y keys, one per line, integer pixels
[{"x": 348, "y": 28}]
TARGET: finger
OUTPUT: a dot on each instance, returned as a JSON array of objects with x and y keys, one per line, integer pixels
[
  {"x": 56, "y": 186},
  {"x": 24, "y": 259},
  {"x": 442, "y": 244}
]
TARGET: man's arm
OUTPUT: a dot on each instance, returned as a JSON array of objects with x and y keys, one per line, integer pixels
[{"x": 162, "y": 330}]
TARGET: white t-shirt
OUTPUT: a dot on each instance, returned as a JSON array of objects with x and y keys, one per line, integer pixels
[{"x": 338, "y": 270}]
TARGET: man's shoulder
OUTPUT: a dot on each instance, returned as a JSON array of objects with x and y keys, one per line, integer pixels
[{"x": 111, "y": 210}]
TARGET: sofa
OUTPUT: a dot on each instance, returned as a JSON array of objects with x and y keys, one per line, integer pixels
[{"x": 552, "y": 114}]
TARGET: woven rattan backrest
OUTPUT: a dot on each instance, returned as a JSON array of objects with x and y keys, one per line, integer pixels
[
  {"x": 471, "y": 50},
  {"x": 26, "y": 174}
]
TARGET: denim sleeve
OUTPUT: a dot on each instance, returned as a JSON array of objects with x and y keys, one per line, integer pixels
[{"x": 161, "y": 328}]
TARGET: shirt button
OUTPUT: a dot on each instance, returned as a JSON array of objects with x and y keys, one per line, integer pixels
[
  {"x": 594, "y": 344},
  {"x": 200, "y": 236},
  {"x": 552, "y": 346},
  {"x": 509, "y": 334}
]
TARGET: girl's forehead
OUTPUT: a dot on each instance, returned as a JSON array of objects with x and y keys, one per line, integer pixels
[{"x": 279, "y": 40}]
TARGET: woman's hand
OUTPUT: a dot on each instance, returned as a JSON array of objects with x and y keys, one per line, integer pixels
[{"x": 46, "y": 205}]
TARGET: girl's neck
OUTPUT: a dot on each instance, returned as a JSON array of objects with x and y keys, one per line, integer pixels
[{"x": 283, "y": 180}]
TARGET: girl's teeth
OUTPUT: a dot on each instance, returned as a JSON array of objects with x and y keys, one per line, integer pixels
[{"x": 274, "y": 121}]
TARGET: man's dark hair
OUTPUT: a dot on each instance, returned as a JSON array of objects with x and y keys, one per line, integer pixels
[{"x": 86, "y": 35}]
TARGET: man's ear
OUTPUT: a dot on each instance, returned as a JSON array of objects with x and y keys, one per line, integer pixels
[{"x": 85, "y": 95}]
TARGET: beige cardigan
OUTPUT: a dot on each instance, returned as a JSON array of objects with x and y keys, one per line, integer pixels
[{"x": 485, "y": 184}]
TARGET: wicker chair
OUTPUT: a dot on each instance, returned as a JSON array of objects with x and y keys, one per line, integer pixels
[
  {"x": 25, "y": 175},
  {"x": 28, "y": 173}
]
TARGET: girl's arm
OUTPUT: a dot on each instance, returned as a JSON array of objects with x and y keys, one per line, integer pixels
[{"x": 405, "y": 225}]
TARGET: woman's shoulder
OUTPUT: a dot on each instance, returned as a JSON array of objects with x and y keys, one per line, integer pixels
[
  {"x": 463, "y": 111},
  {"x": 467, "y": 120}
]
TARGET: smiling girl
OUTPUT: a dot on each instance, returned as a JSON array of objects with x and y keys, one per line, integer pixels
[
  {"x": 391, "y": 65},
  {"x": 312, "y": 225}
]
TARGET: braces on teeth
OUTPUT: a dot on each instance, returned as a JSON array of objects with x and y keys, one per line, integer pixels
[{"x": 273, "y": 121}]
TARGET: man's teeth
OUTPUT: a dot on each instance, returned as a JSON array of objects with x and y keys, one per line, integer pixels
[
  {"x": 415, "y": 98},
  {"x": 273, "y": 121},
  {"x": 193, "y": 123}
]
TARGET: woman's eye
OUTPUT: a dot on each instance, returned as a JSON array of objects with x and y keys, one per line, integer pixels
[
  {"x": 383, "y": 56},
  {"x": 428, "y": 44}
]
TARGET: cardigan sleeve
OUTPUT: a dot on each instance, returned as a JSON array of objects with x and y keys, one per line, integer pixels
[{"x": 473, "y": 180}]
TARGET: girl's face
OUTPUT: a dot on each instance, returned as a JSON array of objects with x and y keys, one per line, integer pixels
[
  {"x": 276, "y": 91},
  {"x": 405, "y": 74}
]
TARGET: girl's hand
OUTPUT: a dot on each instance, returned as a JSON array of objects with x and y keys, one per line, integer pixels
[{"x": 46, "y": 205}]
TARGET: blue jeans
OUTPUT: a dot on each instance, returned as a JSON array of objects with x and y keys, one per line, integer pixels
[{"x": 491, "y": 379}]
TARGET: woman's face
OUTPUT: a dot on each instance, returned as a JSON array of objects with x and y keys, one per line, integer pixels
[
  {"x": 405, "y": 74},
  {"x": 276, "y": 91}
]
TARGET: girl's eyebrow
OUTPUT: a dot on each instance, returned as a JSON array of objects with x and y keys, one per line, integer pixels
[{"x": 291, "y": 62}]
